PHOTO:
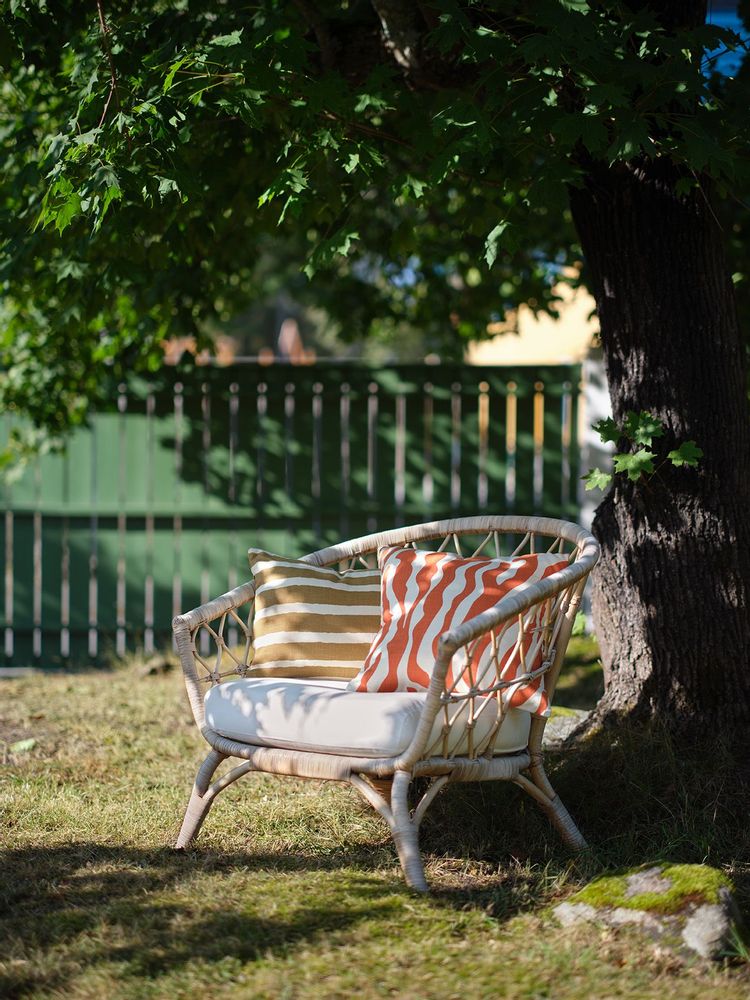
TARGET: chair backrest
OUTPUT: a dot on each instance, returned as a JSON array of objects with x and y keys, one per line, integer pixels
[
  {"x": 542, "y": 618},
  {"x": 215, "y": 640},
  {"x": 500, "y": 535}
]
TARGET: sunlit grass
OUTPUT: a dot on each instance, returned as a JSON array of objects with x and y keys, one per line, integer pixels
[
  {"x": 294, "y": 889},
  {"x": 581, "y": 683}
]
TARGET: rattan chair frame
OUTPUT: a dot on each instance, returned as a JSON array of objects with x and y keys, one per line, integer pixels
[{"x": 384, "y": 782}]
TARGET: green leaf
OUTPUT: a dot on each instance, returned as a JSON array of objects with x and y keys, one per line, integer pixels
[
  {"x": 610, "y": 94},
  {"x": 635, "y": 465},
  {"x": 167, "y": 185},
  {"x": 589, "y": 128},
  {"x": 490, "y": 244},
  {"x": 579, "y": 625},
  {"x": 173, "y": 69},
  {"x": 413, "y": 188},
  {"x": 541, "y": 48},
  {"x": 225, "y": 41},
  {"x": 22, "y": 746},
  {"x": 112, "y": 193},
  {"x": 687, "y": 454},
  {"x": 67, "y": 212},
  {"x": 70, "y": 269},
  {"x": 87, "y": 138},
  {"x": 595, "y": 479},
  {"x": 607, "y": 430},
  {"x": 145, "y": 108},
  {"x": 630, "y": 140},
  {"x": 642, "y": 427},
  {"x": 338, "y": 245},
  {"x": 370, "y": 102}
]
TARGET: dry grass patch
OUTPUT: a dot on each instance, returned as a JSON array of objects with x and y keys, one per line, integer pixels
[{"x": 294, "y": 889}]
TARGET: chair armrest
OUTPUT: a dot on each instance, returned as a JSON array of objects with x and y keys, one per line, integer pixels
[
  {"x": 568, "y": 582},
  {"x": 212, "y": 619},
  {"x": 230, "y": 601},
  {"x": 519, "y": 600}
]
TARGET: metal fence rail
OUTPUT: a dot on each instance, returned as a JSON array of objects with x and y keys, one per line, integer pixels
[{"x": 151, "y": 509}]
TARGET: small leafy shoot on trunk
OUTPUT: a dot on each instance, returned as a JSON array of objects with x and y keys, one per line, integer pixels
[
  {"x": 607, "y": 430},
  {"x": 595, "y": 479},
  {"x": 687, "y": 454},
  {"x": 635, "y": 464},
  {"x": 639, "y": 430}
]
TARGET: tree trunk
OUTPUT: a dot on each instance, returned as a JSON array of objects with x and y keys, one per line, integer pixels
[{"x": 672, "y": 591}]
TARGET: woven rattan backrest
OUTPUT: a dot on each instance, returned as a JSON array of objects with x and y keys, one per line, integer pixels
[
  {"x": 542, "y": 630},
  {"x": 216, "y": 640},
  {"x": 490, "y": 536}
]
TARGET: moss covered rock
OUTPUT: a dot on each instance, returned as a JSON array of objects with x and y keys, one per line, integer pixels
[
  {"x": 687, "y": 906},
  {"x": 562, "y": 723},
  {"x": 657, "y": 888}
]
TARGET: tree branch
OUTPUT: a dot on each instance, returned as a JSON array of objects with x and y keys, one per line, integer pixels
[{"x": 402, "y": 27}]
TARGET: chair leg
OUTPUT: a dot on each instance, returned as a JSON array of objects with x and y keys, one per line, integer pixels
[
  {"x": 540, "y": 789},
  {"x": 406, "y": 833},
  {"x": 565, "y": 825},
  {"x": 383, "y": 787},
  {"x": 200, "y": 802}
]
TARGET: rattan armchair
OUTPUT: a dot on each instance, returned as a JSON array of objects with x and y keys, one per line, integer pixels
[{"x": 215, "y": 642}]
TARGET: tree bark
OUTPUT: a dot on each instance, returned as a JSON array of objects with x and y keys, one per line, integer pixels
[{"x": 672, "y": 591}]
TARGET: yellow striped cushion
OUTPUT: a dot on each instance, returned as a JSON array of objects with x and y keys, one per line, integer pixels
[{"x": 311, "y": 621}]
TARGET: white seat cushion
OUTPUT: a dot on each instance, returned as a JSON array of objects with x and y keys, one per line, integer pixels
[{"x": 322, "y": 716}]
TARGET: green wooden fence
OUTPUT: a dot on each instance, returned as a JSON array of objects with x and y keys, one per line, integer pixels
[{"x": 152, "y": 508}]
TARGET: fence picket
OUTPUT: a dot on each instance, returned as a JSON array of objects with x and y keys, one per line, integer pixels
[{"x": 153, "y": 506}]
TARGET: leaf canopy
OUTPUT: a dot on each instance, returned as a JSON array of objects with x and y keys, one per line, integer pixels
[{"x": 167, "y": 164}]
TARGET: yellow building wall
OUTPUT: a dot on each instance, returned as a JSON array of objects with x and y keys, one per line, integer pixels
[{"x": 541, "y": 339}]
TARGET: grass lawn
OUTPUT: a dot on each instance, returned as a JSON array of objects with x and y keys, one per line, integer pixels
[{"x": 294, "y": 889}]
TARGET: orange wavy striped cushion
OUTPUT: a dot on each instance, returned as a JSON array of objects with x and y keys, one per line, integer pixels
[{"x": 426, "y": 593}]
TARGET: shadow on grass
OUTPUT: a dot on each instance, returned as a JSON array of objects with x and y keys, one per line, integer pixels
[
  {"x": 581, "y": 682},
  {"x": 636, "y": 794},
  {"x": 154, "y": 911}
]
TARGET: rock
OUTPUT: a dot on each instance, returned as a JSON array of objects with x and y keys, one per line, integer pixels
[
  {"x": 562, "y": 723},
  {"x": 570, "y": 914},
  {"x": 650, "y": 880},
  {"x": 641, "y": 918},
  {"x": 709, "y": 930},
  {"x": 688, "y": 909},
  {"x": 157, "y": 665}
]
